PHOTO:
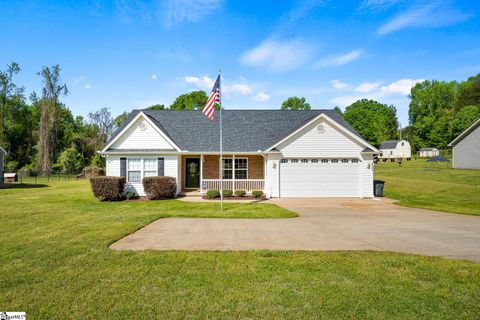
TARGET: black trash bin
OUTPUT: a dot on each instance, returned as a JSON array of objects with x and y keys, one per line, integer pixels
[{"x": 378, "y": 188}]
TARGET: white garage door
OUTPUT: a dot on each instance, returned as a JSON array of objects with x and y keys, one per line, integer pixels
[{"x": 320, "y": 178}]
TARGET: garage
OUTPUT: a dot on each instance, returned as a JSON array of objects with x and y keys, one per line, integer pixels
[{"x": 320, "y": 178}]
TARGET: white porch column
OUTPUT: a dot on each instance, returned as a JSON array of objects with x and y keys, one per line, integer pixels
[
  {"x": 201, "y": 173},
  {"x": 233, "y": 173}
]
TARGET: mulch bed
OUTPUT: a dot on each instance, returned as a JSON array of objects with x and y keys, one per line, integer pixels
[{"x": 236, "y": 198}]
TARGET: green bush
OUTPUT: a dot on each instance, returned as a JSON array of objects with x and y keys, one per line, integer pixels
[
  {"x": 90, "y": 172},
  {"x": 257, "y": 193},
  {"x": 130, "y": 195},
  {"x": 70, "y": 160},
  {"x": 240, "y": 193},
  {"x": 108, "y": 188},
  {"x": 227, "y": 193},
  {"x": 212, "y": 194},
  {"x": 158, "y": 188}
]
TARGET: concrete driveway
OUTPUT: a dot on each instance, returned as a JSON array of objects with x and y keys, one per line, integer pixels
[{"x": 324, "y": 224}]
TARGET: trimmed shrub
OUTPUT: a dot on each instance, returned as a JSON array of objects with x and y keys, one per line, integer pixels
[
  {"x": 240, "y": 193},
  {"x": 90, "y": 172},
  {"x": 159, "y": 188},
  {"x": 130, "y": 195},
  {"x": 257, "y": 193},
  {"x": 212, "y": 194},
  {"x": 108, "y": 188},
  {"x": 227, "y": 193}
]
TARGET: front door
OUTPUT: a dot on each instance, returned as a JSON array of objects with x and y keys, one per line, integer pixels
[{"x": 192, "y": 173}]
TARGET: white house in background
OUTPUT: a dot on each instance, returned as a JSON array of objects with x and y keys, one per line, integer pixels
[
  {"x": 395, "y": 149},
  {"x": 3, "y": 155},
  {"x": 428, "y": 152},
  {"x": 466, "y": 148},
  {"x": 313, "y": 153}
]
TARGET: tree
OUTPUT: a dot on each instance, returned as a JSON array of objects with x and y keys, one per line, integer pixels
[
  {"x": 468, "y": 93},
  {"x": 464, "y": 119},
  {"x": 120, "y": 119},
  {"x": 52, "y": 89},
  {"x": 338, "y": 110},
  {"x": 9, "y": 92},
  {"x": 70, "y": 160},
  {"x": 295, "y": 103},
  {"x": 156, "y": 107},
  {"x": 375, "y": 121},
  {"x": 103, "y": 120},
  {"x": 432, "y": 107},
  {"x": 190, "y": 101}
]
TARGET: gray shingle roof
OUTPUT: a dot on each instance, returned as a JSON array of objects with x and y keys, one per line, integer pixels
[
  {"x": 243, "y": 130},
  {"x": 390, "y": 144}
]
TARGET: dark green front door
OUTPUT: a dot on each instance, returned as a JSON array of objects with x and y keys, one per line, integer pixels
[{"x": 192, "y": 174}]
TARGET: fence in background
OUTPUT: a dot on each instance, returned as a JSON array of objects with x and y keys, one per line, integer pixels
[{"x": 27, "y": 176}]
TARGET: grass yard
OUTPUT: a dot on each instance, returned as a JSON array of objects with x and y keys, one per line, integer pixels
[
  {"x": 56, "y": 264},
  {"x": 420, "y": 184}
]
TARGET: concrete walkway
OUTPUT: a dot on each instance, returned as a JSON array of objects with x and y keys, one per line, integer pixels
[{"x": 324, "y": 224}]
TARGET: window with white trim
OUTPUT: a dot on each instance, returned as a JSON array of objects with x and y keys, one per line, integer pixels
[
  {"x": 139, "y": 168},
  {"x": 150, "y": 167},
  {"x": 241, "y": 168},
  {"x": 134, "y": 170}
]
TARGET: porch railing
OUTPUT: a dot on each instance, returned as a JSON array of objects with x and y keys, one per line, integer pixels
[{"x": 243, "y": 184}]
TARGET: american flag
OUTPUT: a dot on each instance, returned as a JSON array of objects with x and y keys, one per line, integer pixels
[{"x": 209, "y": 108}]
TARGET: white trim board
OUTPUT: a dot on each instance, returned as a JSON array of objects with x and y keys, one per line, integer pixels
[
  {"x": 335, "y": 123},
  {"x": 150, "y": 122}
]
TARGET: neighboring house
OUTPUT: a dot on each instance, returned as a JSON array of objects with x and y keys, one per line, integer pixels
[
  {"x": 466, "y": 148},
  {"x": 395, "y": 149},
  {"x": 3, "y": 155},
  {"x": 311, "y": 153},
  {"x": 428, "y": 152}
]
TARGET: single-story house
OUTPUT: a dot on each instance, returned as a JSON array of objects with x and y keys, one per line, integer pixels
[
  {"x": 466, "y": 148},
  {"x": 428, "y": 152},
  {"x": 313, "y": 153},
  {"x": 3, "y": 155},
  {"x": 395, "y": 149}
]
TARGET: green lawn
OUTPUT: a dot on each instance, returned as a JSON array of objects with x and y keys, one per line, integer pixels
[
  {"x": 56, "y": 264},
  {"x": 431, "y": 186}
]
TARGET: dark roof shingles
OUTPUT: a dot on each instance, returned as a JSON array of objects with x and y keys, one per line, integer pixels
[{"x": 243, "y": 130}]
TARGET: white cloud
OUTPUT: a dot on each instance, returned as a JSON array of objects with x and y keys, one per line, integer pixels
[
  {"x": 261, "y": 97},
  {"x": 278, "y": 56},
  {"x": 337, "y": 84},
  {"x": 367, "y": 87},
  {"x": 402, "y": 86},
  {"x": 178, "y": 11},
  {"x": 88, "y": 86},
  {"x": 431, "y": 14},
  {"x": 154, "y": 76},
  {"x": 206, "y": 83},
  {"x": 340, "y": 60},
  {"x": 372, "y": 90},
  {"x": 378, "y": 4}
]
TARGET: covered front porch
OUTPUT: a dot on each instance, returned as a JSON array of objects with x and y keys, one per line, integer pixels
[{"x": 202, "y": 172}]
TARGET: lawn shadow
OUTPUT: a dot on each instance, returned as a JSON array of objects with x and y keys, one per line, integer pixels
[{"x": 24, "y": 186}]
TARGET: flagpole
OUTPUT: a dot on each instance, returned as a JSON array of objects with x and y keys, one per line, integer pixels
[{"x": 221, "y": 141}]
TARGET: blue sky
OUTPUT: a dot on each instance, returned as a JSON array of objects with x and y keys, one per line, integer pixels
[{"x": 129, "y": 54}]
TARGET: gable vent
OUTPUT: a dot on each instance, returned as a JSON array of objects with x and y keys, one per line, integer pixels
[{"x": 320, "y": 128}]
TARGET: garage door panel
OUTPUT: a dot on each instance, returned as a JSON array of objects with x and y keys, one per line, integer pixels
[{"x": 319, "y": 179}]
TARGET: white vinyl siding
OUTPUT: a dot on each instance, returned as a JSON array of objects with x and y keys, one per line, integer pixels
[
  {"x": 272, "y": 175},
  {"x": 400, "y": 151},
  {"x": 367, "y": 173},
  {"x": 136, "y": 138},
  {"x": 171, "y": 168},
  {"x": 331, "y": 143},
  {"x": 466, "y": 153}
]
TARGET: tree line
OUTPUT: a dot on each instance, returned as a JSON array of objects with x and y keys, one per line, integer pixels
[{"x": 41, "y": 134}]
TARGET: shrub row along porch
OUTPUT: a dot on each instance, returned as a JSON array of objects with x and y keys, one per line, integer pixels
[{"x": 240, "y": 172}]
